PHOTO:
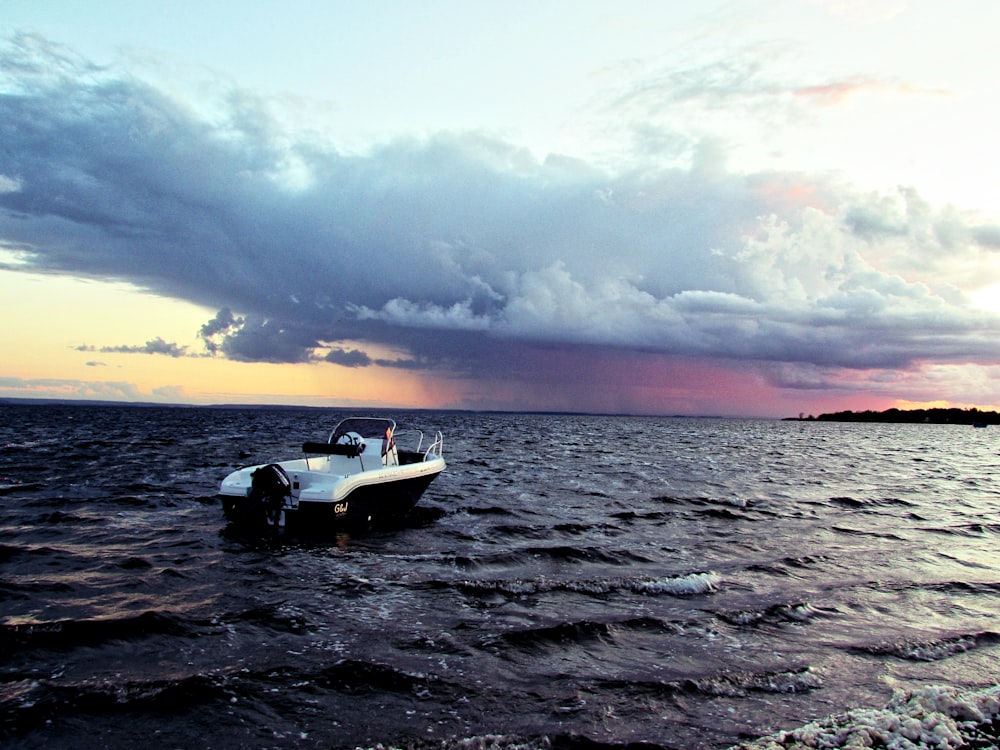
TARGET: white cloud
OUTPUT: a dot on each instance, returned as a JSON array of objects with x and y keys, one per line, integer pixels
[
  {"x": 402, "y": 312},
  {"x": 9, "y": 184}
]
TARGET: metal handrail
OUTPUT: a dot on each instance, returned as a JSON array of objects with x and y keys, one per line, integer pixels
[{"x": 437, "y": 447}]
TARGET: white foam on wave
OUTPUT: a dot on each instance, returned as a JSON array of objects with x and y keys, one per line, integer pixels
[
  {"x": 927, "y": 650},
  {"x": 738, "y": 685},
  {"x": 690, "y": 584},
  {"x": 483, "y": 742},
  {"x": 743, "y": 617},
  {"x": 801, "y": 612},
  {"x": 22, "y": 445},
  {"x": 938, "y": 717},
  {"x": 940, "y": 650},
  {"x": 687, "y": 585}
]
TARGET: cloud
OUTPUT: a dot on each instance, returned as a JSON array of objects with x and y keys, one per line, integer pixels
[
  {"x": 986, "y": 236},
  {"x": 837, "y": 92},
  {"x": 9, "y": 185},
  {"x": 348, "y": 357},
  {"x": 153, "y": 346},
  {"x": 169, "y": 394},
  {"x": 268, "y": 340},
  {"x": 68, "y": 388},
  {"x": 222, "y": 324},
  {"x": 466, "y": 253}
]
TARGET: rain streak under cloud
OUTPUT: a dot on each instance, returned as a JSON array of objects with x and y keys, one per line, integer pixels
[{"x": 464, "y": 255}]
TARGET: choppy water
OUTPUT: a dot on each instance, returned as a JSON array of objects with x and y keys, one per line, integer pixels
[{"x": 567, "y": 581}]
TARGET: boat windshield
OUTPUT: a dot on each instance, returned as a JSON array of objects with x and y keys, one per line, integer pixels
[{"x": 366, "y": 427}]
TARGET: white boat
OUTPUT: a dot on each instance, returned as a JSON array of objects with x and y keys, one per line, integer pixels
[{"x": 359, "y": 475}]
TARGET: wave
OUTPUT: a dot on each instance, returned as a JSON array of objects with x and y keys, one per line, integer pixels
[
  {"x": 581, "y": 632},
  {"x": 969, "y": 530},
  {"x": 631, "y": 515},
  {"x": 503, "y": 742},
  {"x": 559, "y": 553},
  {"x": 7, "y": 487},
  {"x": 738, "y": 685},
  {"x": 931, "y": 650},
  {"x": 933, "y": 717},
  {"x": 940, "y": 717},
  {"x": 521, "y": 531},
  {"x": 979, "y": 588},
  {"x": 967, "y": 587},
  {"x": 854, "y": 503},
  {"x": 24, "y": 445},
  {"x": 30, "y": 703},
  {"x": 69, "y": 634},
  {"x": 785, "y": 566},
  {"x": 691, "y": 584},
  {"x": 725, "y": 684},
  {"x": 354, "y": 676},
  {"x": 776, "y": 614},
  {"x": 279, "y": 617},
  {"x": 687, "y": 585},
  {"x": 739, "y": 503},
  {"x": 491, "y": 510},
  {"x": 26, "y": 591},
  {"x": 862, "y": 533},
  {"x": 723, "y": 513},
  {"x": 61, "y": 517},
  {"x": 848, "y": 502},
  {"x": 527, "y": 531},
  {"x": 570, "y": 741}
]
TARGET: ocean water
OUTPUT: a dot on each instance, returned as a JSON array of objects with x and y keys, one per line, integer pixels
[{"x": 568, "y": 582}]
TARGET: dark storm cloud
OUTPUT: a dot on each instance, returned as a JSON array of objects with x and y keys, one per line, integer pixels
[
  {"x": 223, "y": 324},
  {"x": 268, "y": 340},
  {"x": 461, "y": 251},
  {"x": 348, "y": 357}
]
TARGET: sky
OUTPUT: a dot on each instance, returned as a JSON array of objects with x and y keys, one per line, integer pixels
[{"x": 742, "y": 208}]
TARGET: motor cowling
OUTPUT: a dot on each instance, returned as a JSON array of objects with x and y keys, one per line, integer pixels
[{"x": 270, "y": 487}]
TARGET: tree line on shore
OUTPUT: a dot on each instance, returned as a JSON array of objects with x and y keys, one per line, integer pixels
[{"x": 971, "y": 416}]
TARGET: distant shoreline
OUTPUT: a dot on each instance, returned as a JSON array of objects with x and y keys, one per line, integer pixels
[{"x": 908, "y": 416}]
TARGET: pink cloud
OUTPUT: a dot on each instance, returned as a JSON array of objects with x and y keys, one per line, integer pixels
[{"x": 831, "y": 94}]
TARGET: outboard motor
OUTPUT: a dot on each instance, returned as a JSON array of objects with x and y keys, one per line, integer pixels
[{"x": 269, "y": 488}]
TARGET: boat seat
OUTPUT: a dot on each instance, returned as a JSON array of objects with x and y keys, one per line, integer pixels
[
  {"x": 352, "y": 445},
  {"x": 373, "y": 454},
  {"x": 330, "y": 449}
]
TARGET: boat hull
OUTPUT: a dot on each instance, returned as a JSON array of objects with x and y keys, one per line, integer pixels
[
  {"x": 357, "y": 500},
  {"x": 359, "y": 476}
]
